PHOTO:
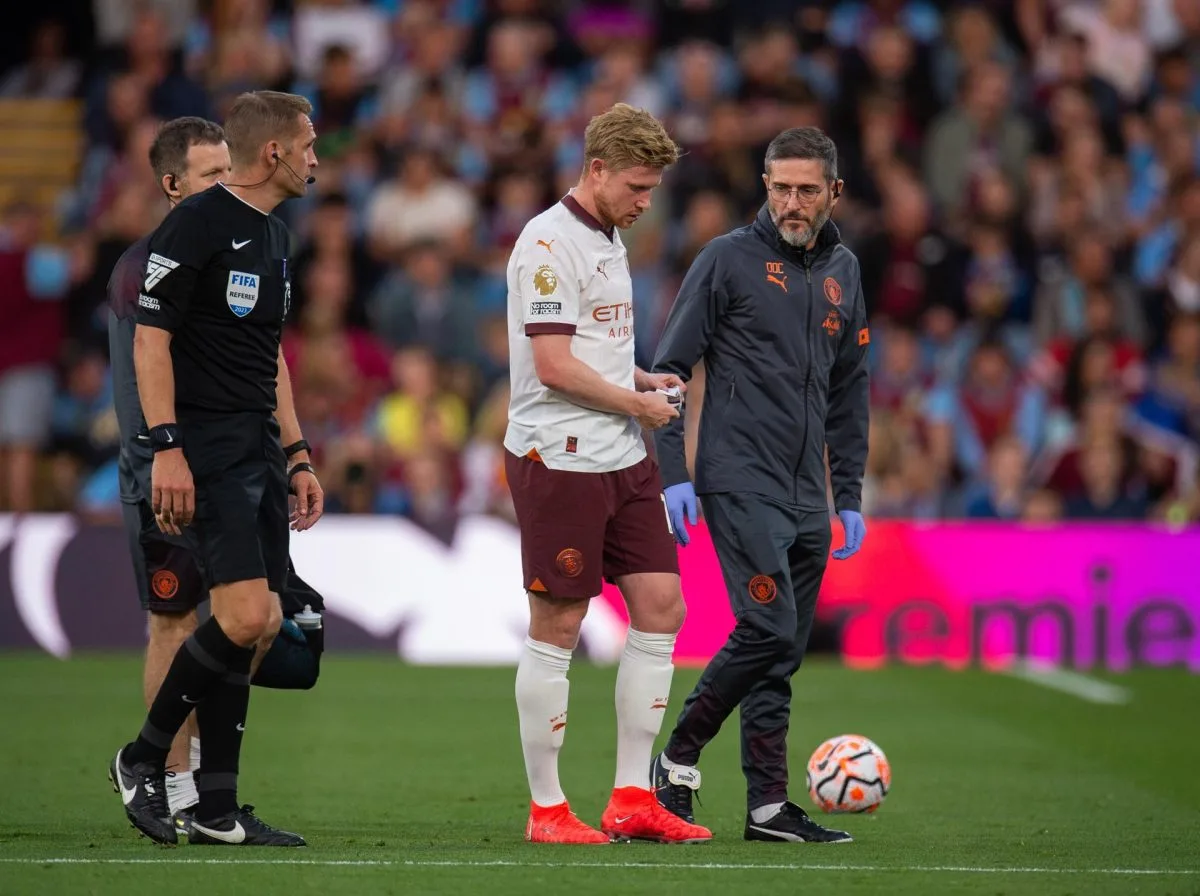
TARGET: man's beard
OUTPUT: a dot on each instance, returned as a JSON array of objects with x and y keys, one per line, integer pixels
[
  {"x": 608, "y": 217},
  {"x": 801, "y": 238},
  {"x": 604, "y": 211}
]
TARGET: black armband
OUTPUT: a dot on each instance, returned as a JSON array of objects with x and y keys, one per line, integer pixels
[
  {"x": 165, "y": 437},
  {"x": 296, "y": 447}
]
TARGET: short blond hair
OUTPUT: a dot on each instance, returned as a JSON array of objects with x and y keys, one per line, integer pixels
[
  {"x": 259, "y": 117},
  {"x": 625, "y": 137}
]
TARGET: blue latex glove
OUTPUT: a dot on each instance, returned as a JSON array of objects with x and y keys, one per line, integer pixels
[
  {"x": 681, "y": 500},
  {"x": 856, "y": 531},
  {"x": 290, "y": 630}
]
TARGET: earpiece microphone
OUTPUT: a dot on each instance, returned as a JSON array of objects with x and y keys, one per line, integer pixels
[{"x": 310, "y": 180}]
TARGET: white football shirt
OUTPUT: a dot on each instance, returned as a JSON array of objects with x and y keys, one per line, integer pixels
[{"x": 570, "y": 276}]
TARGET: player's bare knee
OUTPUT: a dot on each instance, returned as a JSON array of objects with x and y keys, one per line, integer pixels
[
  {"x": 673, "y": 614},
  {"x": 655, "y": 602},
  {"x": 678, "y": 615},
  {"x": 556, "y": 621},
  {"x": 560, "y": 631},
  {"x": 664, "y": 618}
]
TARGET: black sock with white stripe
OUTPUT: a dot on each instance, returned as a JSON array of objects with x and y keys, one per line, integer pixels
[
  {"x": 222, "y": 719},
  {"x": 199, "y": 666}
]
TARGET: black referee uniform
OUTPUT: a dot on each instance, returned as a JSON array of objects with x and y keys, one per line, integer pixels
[
  {"x": 217, "y": 279},
  {"x": 167, "y": 568}
]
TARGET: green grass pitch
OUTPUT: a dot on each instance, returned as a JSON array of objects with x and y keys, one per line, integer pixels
[{"x": 409, "y": 780}]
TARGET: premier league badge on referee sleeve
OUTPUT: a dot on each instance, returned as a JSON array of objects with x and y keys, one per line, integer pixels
[{"x": 241, "y": 295}]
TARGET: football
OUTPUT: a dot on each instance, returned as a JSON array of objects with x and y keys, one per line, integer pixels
[{"x": 848, "y": 774}]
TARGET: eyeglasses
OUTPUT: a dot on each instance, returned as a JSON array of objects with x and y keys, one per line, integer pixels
[{"x": 784, "y": 193}]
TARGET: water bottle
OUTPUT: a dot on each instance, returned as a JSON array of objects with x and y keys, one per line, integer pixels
[
  {"x": 311, "y": 627},
  {"x": 307, "y": 619}
]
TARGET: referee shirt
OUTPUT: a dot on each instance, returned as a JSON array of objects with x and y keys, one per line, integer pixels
[{"x": 217, "y": 278}]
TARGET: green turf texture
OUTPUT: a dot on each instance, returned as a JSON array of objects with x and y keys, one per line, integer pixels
[{"x": 408, "y": 767}]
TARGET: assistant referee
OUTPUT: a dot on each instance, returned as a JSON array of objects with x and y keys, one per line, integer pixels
[{"x": 207, "y": 355}]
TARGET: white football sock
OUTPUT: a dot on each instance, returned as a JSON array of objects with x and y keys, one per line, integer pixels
[
  {"x": 181, "y": 791},
  {"x": 542, "y": 689},
  {"x": 763, "y": 814},
  {"x": 643, "y": 689},
  {"x": 194, "y": 753}
]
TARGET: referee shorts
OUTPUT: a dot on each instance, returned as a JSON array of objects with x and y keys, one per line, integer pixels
[{"x": 240, "y": 473}]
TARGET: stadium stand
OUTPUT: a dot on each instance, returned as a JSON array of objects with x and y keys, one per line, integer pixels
[{"x": 1022, "y": 189}]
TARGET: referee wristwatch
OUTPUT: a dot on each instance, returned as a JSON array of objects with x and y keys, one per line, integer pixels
[{"x": 165, "y": 437}]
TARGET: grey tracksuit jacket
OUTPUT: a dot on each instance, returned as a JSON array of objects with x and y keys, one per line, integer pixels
[{"x": 783, "y": 336}]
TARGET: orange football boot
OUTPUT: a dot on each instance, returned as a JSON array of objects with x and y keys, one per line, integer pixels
[
  {"x": 558, "y": 824},
  {"x": 634, "y": 814}
]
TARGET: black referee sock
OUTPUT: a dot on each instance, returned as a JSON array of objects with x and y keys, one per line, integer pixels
[
  {"x": 199, "y": 665},
  {"x": 222, "y": 720}
]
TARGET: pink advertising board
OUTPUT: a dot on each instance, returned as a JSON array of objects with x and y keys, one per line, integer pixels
[{"x": 1086, "y": 596}]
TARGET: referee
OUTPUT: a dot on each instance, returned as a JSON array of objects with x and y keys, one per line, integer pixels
[
  {"x": 207, "y": 357},
  {"x": 775, "y": 310},
  {"x": 190, "y": 155}
]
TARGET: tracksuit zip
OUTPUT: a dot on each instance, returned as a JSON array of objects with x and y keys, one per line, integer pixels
[{"x": 807, "y": 372}]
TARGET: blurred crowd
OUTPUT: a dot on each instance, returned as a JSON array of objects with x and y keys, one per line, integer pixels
[{"x": 1021, "y": 187}]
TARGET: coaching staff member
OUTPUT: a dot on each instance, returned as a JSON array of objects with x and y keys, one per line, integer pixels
[
  {"x": 207, "y": 358},
  {"x": 188, "y": 155},
  {"x": 776, "y": 312}
]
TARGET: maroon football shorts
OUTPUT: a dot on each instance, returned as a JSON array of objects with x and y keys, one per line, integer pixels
[{"x": 578, "y": 529}]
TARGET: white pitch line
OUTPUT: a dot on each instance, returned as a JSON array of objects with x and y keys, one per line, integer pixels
[
  {"x": 696, "y": 866},
  {"x": 1070, "y": 682}
]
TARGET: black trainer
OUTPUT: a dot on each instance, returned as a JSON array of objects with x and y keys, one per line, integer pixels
[
  {"x": 143, "y": 789},
  {"x": 791, "y": 824},
  {"x": 184, "y": 818},
  {"x": 241, "y": 827},
  {"x": 673, "y": 788}
]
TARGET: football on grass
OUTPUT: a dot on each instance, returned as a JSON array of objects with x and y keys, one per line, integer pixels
[{"x": 848, "y": 774}]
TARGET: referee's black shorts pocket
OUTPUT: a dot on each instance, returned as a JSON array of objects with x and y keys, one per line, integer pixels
[
  {"x": 227, "y": 523},
  {"x": 240, "y": 475},
  {"x": 214, "y": 445}
]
